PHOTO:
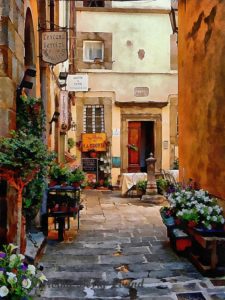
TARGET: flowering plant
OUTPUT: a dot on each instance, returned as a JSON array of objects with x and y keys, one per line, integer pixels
[
  {"x": 198, "y": 206},
  {"x": 17, "y": 278}
]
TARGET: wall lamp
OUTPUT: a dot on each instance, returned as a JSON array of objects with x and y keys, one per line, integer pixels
[
  {"x": 63, "y": 75},
  {"x": 174, "y": 15}
]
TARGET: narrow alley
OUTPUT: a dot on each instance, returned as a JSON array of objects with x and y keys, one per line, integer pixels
[{"x": 121, "y": 252}]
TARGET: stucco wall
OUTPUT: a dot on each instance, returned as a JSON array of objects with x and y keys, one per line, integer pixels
[
  {"x": 132, "y": 32},
  {"x": 201, "y": 93}
]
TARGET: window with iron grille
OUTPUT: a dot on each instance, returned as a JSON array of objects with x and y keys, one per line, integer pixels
[{"x": 94, "y": 119}]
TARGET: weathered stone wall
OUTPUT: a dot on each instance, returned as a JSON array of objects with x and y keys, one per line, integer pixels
[
  {"x": 202, "y": 93},
  {"x": 11, "y": 60}
]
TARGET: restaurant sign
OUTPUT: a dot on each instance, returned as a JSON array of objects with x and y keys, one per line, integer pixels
[
  {"x": 96, "y": 141},
  {"x": 54, "y": 46},
  {"x": 77, "y": 83}
]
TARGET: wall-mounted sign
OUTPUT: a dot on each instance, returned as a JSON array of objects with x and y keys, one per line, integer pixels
[
  {"x": 54, "y": 46},
  {"x": 63, "y": 106},
  {"x": 141, "y": 91},
  {"x": 96, "y": 141},
  {"x": 77, "y": 83},
  {"x": 116, "y": 132}
]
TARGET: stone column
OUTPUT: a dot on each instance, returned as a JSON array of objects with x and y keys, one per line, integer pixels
[
  {"x": 151, "y": 181},
  {"x": 151, "y": 195}
]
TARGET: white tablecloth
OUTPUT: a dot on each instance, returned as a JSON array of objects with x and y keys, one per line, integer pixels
[
  {"x": 175, "y": 174},
  {"x": 130, "y": 179}
]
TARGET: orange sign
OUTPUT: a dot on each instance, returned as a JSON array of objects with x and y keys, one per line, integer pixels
[{"x": 96, "y": 141}]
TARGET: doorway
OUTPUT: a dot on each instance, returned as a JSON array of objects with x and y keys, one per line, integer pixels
[{"x": 140, "y": 144}]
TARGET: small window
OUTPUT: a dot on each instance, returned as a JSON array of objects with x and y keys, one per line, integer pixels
[
  {"x": 93, "y": 51},
  {"x": 94, "y": 119}
]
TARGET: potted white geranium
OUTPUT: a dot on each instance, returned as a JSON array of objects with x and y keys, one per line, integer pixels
[{"x": 17, "y": 278}]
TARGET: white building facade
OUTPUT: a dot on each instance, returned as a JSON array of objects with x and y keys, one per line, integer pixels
[{"x": 124, "y": 48}]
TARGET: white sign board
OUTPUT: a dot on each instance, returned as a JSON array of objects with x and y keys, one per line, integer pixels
[
  {"x": 116, "y": 132},
  {"x": 77, "y": 83},
  {"x": 54, "y": 46},
  {"x": 63, "y": 106}
]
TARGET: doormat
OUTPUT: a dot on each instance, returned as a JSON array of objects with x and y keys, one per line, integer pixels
[{"x": 190, "y": 296}]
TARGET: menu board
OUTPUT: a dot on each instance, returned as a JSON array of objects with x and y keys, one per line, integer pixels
[{"x": 90, "y": 165}]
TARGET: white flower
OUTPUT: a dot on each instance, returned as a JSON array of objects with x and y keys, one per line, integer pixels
[
  {"x": 12, "y": 246},
  {"x": 31, "y": 269},
  {"x": 214, "y": 218},
  {"x": 12, "y": 257},
  {"x": 21, "y": 256},
  {"x": 11, "y": 277},
  {"x": 26, "y": 283},
  {"x": 3, "y": 291},
  {"x": 42, "y": 278}
]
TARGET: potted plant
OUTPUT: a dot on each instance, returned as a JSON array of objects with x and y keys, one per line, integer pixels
[
  {"x": 141, "y": 186},
  {"x": 162, "y": 185},
  {"x": 17, "y": 277},
  {"x": 58, "y": 174},
  {"x": 71, "y": 143},
  {"x": 76, "y": 177},
  {"x": 93, "y": 153}
]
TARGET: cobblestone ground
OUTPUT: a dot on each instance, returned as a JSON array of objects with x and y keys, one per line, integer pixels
[{"x": 121, "y": 252}]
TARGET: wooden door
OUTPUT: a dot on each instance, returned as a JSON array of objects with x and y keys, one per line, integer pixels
[{"x": 134, "y": 138}]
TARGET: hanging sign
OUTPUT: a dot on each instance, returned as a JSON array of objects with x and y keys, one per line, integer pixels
[
  {"x": 77, "y": 83},
  {"x": 93, "y": 141},
  {"x": 63, "y": 106},
  {"x": 54, "y": 46}
]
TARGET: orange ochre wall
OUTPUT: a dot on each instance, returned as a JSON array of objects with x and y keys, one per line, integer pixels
[{"x": 201, "y": 46}]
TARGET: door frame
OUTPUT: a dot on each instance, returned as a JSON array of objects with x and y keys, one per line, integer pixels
[{"x": 157, "y": 119}]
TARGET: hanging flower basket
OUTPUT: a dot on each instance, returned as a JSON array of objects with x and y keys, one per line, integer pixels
[{"x": 132, "y": 147}]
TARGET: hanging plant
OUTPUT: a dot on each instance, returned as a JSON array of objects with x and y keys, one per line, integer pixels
[{"x": 132, "y": 147}]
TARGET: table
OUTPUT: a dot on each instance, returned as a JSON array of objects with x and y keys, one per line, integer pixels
[
  {"x": 62, "y": 203},
  {"x": 130, "y": 179}
]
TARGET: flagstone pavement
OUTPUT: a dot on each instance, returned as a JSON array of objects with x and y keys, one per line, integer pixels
[{"x": 121, "y": 252}]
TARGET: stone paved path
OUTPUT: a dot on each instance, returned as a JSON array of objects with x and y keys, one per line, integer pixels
[{"x": 121, "y": 252}]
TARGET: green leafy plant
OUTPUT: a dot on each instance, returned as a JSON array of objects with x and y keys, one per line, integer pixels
[
  {"x": 76, "y": 175},
  {"x": 21, "y": 156},
  {"x": 162, "y": 185},
  {"x": 71, "y": 143},
  {"x": 176, "y": 164},
  {"x": 17, "y": 278},
  {"x": 59, "y": 173},
  {"x": 141, "y": 185}
]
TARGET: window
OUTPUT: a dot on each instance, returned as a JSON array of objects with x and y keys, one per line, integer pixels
[
  {"x": 93, "y": 51},
  {"x": 94, "y": 119}
]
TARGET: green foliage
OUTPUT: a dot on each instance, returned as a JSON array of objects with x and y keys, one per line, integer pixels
[
  {"x": 176, "y": 164},
  {"x": 162, "y": 185},
  {"x": 76, "y": 176},
  {"x": 30, "y": 116},
  {"x": 23, "y": 153},
  {"x": 59, "y": 173},
  {"x": 141, "y": 185},
  {"x": 71, "y": 143}
]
